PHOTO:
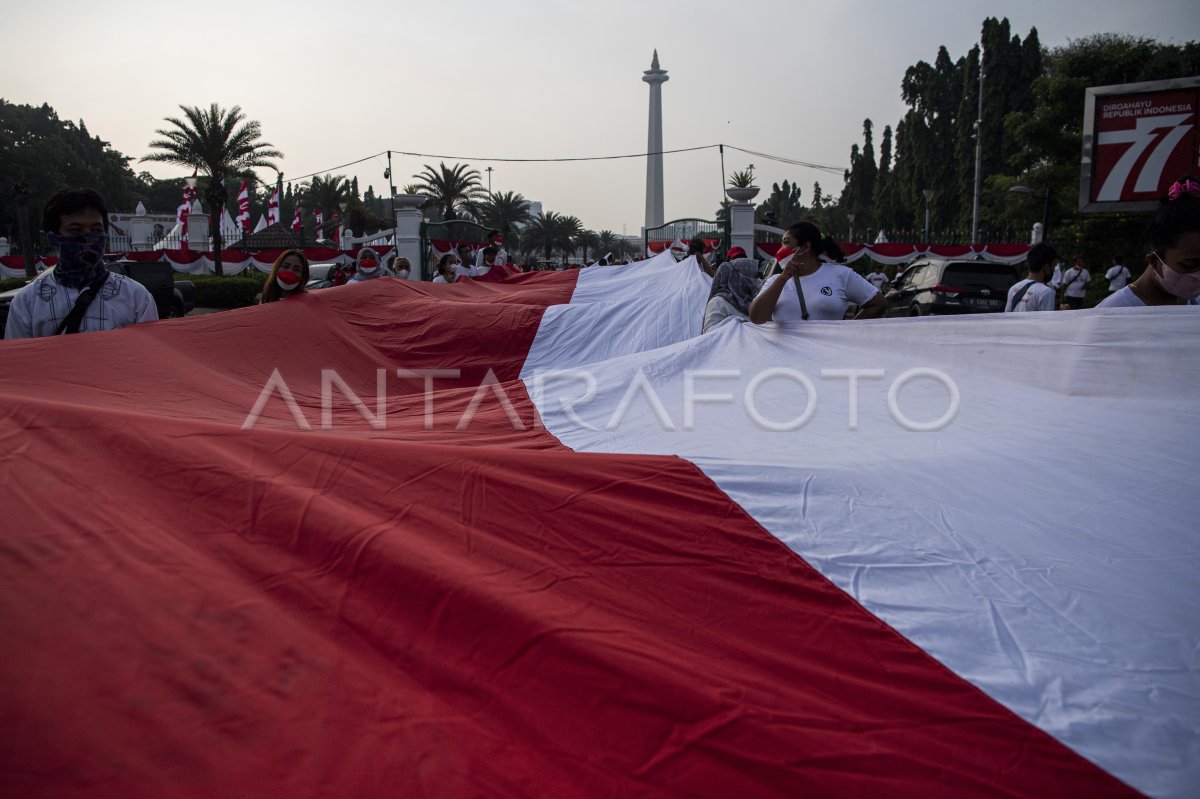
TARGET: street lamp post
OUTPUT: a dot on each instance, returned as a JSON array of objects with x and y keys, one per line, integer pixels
[
  {"x": 1045, "y": 197},
  {"x": 489, "y": 171},
  {"x": 850, "y": 217},
  {"x": 928, "y": 198}
]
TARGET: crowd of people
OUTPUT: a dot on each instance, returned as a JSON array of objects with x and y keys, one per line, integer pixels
[{"x": 805, "y": 280}]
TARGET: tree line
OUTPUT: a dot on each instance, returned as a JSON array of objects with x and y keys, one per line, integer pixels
[{"x": 1031, "y": 134}]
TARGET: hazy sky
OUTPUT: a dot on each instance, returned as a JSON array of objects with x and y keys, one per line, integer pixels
[{"x": 335, "y": 82}]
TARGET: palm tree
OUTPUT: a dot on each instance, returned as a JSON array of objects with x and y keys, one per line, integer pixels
[
  {"x": 541, "y": 233},
  {"x": 607, "y": 241},
  {"x": 451, "y": 189},
  {"x": 325, "y": 194},
  {"x": 505, "y": 212},
  {"x": 569, "y": 228},
  {"x": 222, "y": 143},
  {"x": 588, "y": 241}
]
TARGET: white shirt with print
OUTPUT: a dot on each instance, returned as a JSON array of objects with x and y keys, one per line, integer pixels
[
  {"x": 1038, "y": 297},
  {"x": 40, "y": 307},
  {"x": 827, "y": 292}
]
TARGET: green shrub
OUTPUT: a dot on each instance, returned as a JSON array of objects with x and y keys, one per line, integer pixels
[{"x": 225, "y": 292}]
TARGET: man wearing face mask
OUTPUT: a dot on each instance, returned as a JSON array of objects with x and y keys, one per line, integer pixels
[
  {"x": 79, "y": 295},
  {"x": 1172, "y": 275},
  {"x": 367, "y": 266},
  {"x": 496, "y": 240},
  {"x": 402, "y": 268}
]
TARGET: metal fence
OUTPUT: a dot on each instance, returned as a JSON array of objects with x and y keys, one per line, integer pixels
[{"x": 686, "y": 229}]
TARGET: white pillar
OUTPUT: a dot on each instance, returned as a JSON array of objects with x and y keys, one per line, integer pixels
[
  {"x": 197, "y": 236},
  {"x": 741, "y": 224},
  {"x": 408, "y": 231},
  {"x": 654, "y": 144}
]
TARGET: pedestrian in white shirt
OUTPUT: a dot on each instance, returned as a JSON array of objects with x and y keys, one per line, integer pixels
[
  {"x": 447, "y": 269},
  {"x": 495, "y": 239},
  {"x": 1032, "y": 293},
  {"x": 877, "y": 278},
  {"x": 1117, "y": 276},
  {"x": 1075, "y": 284}
]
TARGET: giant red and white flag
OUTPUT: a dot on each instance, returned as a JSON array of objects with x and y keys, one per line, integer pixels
[
  {"x": 273, "y": 207},
  {"x": 535, "y": 536},
  {"x": 243, "y": 201}
]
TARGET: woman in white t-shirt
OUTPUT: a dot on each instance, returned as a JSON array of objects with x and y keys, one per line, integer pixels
[
  {"x": 1172, "y": 275},
  {"x": 809, "y": 288}
]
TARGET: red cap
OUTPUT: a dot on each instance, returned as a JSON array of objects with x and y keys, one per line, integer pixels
[{"x": 735, "y": 252}]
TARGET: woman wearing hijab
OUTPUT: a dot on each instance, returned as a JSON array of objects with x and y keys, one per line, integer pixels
[
  {"x": 288, "y": 278},
  {"x": 734, "y": 287},
  {"x": 366, "y": 267}
]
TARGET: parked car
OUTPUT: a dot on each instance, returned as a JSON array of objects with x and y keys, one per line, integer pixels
[
  {"x": 933, "y": 286},
  {"x": 320, "y": 276},
  {"x": 172, "y": 297}
]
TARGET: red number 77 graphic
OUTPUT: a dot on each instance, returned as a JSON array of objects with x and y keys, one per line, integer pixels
[{"x": 1141, "y": 137}]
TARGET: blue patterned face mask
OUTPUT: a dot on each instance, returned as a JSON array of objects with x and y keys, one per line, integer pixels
[{"x": 80, "y": 258}]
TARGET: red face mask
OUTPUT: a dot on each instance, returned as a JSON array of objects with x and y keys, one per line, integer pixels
[
  {"x": 782, "y": 252},
  {"x": 287, "y": 279}
]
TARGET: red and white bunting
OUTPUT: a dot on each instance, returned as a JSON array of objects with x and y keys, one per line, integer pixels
[
  {"x": 273, "y": 207},
  {"x": 243, "y": 200}
]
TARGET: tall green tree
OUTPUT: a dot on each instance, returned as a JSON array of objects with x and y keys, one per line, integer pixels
[
  {"x": 782, "y": 205},
  {"x": 46, "y": 153},
  {"x": 222, "y": 143},
  {"x": 451, "y": 189}
]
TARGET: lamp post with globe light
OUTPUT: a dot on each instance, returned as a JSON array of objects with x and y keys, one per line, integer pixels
[{"x": 1045, "y": 197}]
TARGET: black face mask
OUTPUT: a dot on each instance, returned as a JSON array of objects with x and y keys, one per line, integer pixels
[{"x": 80, "y": 258}]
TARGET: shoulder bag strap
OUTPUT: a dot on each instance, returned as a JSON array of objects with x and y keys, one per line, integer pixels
[
  {"x": 1016, "y": 300},
  {"x": 800, "y": 294},
  {"x": 74, "y": 319}
]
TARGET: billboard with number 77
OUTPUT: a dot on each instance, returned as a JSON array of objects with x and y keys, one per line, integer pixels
[{"x": 1138, "y": 139}]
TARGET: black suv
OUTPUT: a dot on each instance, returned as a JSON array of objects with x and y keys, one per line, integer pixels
[{"x": 932, "y": 286}]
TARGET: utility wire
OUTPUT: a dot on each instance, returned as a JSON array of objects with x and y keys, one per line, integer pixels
[
  {"x": 791, "y": 161},
  {"x": 554, "y": 160}
]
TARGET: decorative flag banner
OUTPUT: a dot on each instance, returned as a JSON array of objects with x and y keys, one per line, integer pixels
[
  {"x": 319, "y": 219},
  {"x": 297, "y": 222},
  {"x": 243, "y": 201},
  {"x": 337, "y": 229},
  {"x": 273, "y": 207},
  {"x": 535, "y": 536}
]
